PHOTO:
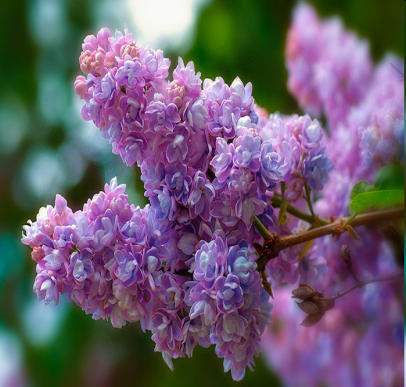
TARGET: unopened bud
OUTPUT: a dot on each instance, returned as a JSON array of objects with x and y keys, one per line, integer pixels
[
  {"x": 303, "y": 292},
  {"x": 311, "y": 320},
  {"x": 325, "y": 304},
  {"x": 310, "y": 307}
]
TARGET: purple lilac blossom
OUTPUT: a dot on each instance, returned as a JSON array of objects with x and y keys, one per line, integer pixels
[
  {"x": 120, "y": 262},
  {"x": 316, "y": 168}
]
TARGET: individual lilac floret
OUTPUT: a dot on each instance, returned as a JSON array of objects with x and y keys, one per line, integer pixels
[
  {"x": 242, "y": 95},
  {"x": 249, "y": 204},
  {"x": 129, "y": 265},
  {"x": 156, "y": 65},
  {"x": 130, "y": 73},
  {"x": 311, "y": 134},
  {"x": 222, "y": 162},
  {"x": 201, "y": 196},
  {"x": 197, "y": 114},
  {"x": 106, "y": 90},
  {"x": 187, "y": 78},
  {"x": 239, "y": 264},
  {"x": 81, "y": 266},
  {"x": 268, "y": 174},
  {"x": 316, "y": 168},
  {"x": 179, "y": 181},
  {"x": 164, "y": 203},
  {"x": 162, "y": 116},
  {"x": 202, "y": 304},
  {"x": 229, "y": 293},
  {"x": 210, "y": 262},
  {"x": 248, "y": 151},
  {"x": 178, "y": 144}
]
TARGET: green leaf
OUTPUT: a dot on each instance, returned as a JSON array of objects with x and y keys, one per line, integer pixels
[
  {"x": 390, "y": 177},
  {"x": 386, "y": 198},
  {"x": 361, "y": 187}
]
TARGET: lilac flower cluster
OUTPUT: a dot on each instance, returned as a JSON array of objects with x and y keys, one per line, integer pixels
[
  {"x": 211, "y": 160},
  {"x": 106, "y": 258},
  {"x": 226, "y": 290},
  {"x": 109, "y": 260},
  {"x": 331, "y": 72},
  {"x": 176, "y": 131},
  {"x": 325, "y": 79},
  {"x": 206, "y": 171},
  {"x": 366, "y": 131}
]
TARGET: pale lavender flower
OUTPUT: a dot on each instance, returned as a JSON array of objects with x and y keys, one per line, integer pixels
[
  {"x": 133, "y": 150},
  {"x": 133, "y": 106},
  {"x": 239, "y": 264},
  {"x": 130, "y": 73},
  {"x": 152, "y": 175},
  {"x": 202, "y": 305},
  {"x": 222, "y": 208},
  {"x": 164, "y": 203},
  {"x": 187, "y": 78},
  {"x": 242, "y": 95},
  {"x": 179, "y": 181},
  {"x": 240, "y": 180},
  {"x": 197, "y": 114},
  {"x": 210, "y": 262},
  {"x": 105, "y": 229},
  {"x": 128, "y": 269},
  {"x": 248, "y": 151},
  {"x": 268, "y": 174},
  {"x": 106, "y": 90},
  {"x": 316, "y": 168},
  {"x": 229, "y": 294},
  {"x": 222, "y": 162},
  {"x": 201, "y": 196},
  {"x": 162, "y": 116},
  {"x": 249, "y": 204},
  {"x": 81, "y": 267},
  {"x": 156, "y": 65},
  {"x": 171, "y": 293},
  {"x": 311, "y": 134},
  {"x": 223, "y": 119},
  {"x": 178, "y": 147}
]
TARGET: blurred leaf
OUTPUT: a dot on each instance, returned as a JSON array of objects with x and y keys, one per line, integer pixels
[
  {"x": 386, "y": 198},
  {"x": 361, "y": 187},
  {"x": 390, "y": 177}
]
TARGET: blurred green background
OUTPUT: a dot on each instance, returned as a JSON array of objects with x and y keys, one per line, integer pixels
[{"x": 46, "y": 148}]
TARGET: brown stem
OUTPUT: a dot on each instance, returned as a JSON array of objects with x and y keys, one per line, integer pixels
[
  {"x": 276, "y": 244},
  {"x": 360, "y": 284}
]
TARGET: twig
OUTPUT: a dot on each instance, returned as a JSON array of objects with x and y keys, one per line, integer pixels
[
  {"x": 360, "y": 284},
  {"x": 276, "y": 244},
  {"x": 277, "y": 201},
  {"x": 308, "y": 199},
  {"x": 261, "y": 228}
]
